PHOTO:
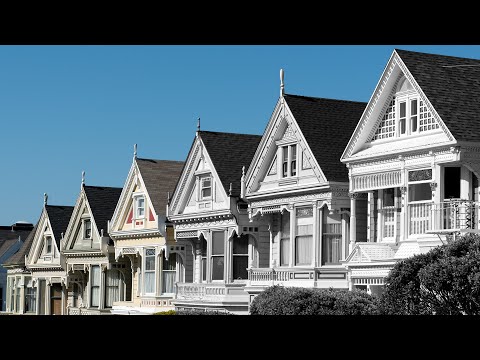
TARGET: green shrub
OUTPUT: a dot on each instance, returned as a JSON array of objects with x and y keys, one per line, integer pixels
[
  {"x": 167, "y": 312},
  {"x": 279, "y": 300},
  {"x": 444, "y": 281}
]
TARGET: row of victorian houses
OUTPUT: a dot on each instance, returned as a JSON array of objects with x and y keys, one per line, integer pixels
[{"x": 332, "y": 194}]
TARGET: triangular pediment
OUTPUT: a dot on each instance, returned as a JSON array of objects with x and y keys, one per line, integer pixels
[
  {"x": 134, "y": 210},
  {"x": 82, "y": 232},
  {"x": 284, "y": 159},
  {"x": 199, "y": 189},
  {"x": 44, "y": 250},
  {"x": 398, "y": 118}
]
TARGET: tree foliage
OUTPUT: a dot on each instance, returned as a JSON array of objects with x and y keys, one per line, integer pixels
[
  {"x": 446, "y": 280},
  {"x": 279, "y": 300}
]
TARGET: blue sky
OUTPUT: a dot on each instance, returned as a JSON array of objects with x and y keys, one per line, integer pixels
[{"x": 65, "y": 109}]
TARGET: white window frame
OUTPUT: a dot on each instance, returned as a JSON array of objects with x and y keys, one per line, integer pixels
[
  {"x": 408, "y": 202},
  {"x": 217, "y": 256},
  {"x": 202, "y": 179},
  {"x": 302, "y": 221},
  {"x": 84, "y": 227},
  {"x": 154, "y": 271},
  {"x": 407, "y": 98},
  {"x": 291, "y": 161},
  {"x": 136, "y": 199},
  {"x": 48, "y": 238}
]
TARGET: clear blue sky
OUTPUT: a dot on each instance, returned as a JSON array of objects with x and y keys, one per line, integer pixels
[{"x": 64, "y": 109}]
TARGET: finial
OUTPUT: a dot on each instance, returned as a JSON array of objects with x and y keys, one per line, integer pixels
[
  {"x": 282, "y": 86},
  {"x": 83, "y": 178},
  {"x": 198, "y": 125},
  {"x": 168, "y": 197},
  {"x": 243, "y": 170},
  {"x": 101, "y": 233},
  {"x": 134, "y": 151},
  {"x": 45, "y": 198},
  {"x": 230, "y": 190}
]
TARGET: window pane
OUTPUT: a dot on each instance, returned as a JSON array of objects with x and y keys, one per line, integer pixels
[
  {"x": 284, "y": 252},
  {"x": 171, "y": 263},
  {"x": 293, "y": 164},
  {"x": 419, "y": 192},
  {"x": 303, "y": 250},
  {"x": 285, "y": 161},
  {"x": 206, "y": 182},
  {"x": 149, "y": 263},
  {"x": 403, "y": 109},
  {"x": 413, "y": 107},
  {"x": 204, "y": 269},
  {"x": 49, "y": 244},
  {"x": 217, "y": 267},
  {"x": 285, "y": 227},
  {"x": 95, "y": 275},
  {"x": 240, "y": 264},
  {"x": 217, "y": 242},
  {"x": 112, "y": 287},
  {"x": 206, "y": 192},
  {"x": 388, "y": 197},
  {"x": 149, "y": 282},
  {"x": 240, "y": 245},
  {"x": 204, "y": 247},
  {"x": 168, "y": 281}
]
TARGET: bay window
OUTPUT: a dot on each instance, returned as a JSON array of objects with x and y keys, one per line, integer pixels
[
  {"x": 285, "y": 239},
  {"x": 331, "y": 238},
  {"x": 304, "y": 236},
  {"x": 95, "y": 285},
  {"x": 169, "y": 270},
  {"x": 217, "y": 257},
  {"x": 240, "y": 258},
  {"x": 149, "y": 272}
]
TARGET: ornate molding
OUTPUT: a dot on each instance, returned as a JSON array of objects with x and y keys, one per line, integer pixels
[
  {"x": 186, "y": 234},
  {"x": 185, "y": 178},
  {"x": 292, "y": 199},
  {"x": 375, "y": 181},
  {"x": 203, "y": 224}
]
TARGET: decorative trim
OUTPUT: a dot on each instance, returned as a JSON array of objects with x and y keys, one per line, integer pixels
[
  {"x": 186, "y": 234},
  {"x": 203, "y": 224},
  {"x": 185, "y": 178},
  {"x": 375, "y": 181},
  {"x": 420, "y": 175}
]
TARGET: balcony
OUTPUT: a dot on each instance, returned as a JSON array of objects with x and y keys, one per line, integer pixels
[{"x": 455, "y": 215}]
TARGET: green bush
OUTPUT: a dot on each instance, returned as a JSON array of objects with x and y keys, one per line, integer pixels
[
  {"x": 279, "y": 300},
  {"x": 444, "y": 281},
  {"x": 168, "y": 312}
]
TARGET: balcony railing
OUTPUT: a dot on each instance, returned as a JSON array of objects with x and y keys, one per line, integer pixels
[
  {"x": 272, "y": 276},
  {"x": 199, "y": 291},
  {"x": 456, "y": 215}
]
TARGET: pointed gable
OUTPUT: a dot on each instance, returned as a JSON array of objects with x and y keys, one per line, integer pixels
[
  {"x": 160, "y": 178},
  {"x": 59, "y": 216},
  {"x": 327, "y": 125},
  {"x": 452, "y": 85},
  {"x": 102, "y": 201},
  {"x": 229, "y": 152},
  {"x": 18, "y": 259}
]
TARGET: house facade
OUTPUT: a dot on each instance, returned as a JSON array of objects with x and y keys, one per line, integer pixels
[
  {"x": 415, "y": 155},
  {"x": 45, "y": 287},
  {"x": 21, "y": 294},
  {"x": 94, "y": 279},
  {"x": 211, "y": 220},
  {"x": 144, "y": 240},
  {"x": 297, "y": 187},
  {"x": 11, "y": 240}
]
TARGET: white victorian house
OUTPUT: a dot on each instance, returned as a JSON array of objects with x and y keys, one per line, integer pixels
[
  {"x": 45, "y": 290},
  {"x": 94, "y": 280},
  {"x": 415, "y": 154},
  {"x": 210, "y": 219},
  {"x": 143, "y": 238},
  {"x": 298, "y": 188}
]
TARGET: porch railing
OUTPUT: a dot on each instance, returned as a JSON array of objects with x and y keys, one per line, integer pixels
[
  {"x": 420, "y": 217},
  {"x": 271, "y": 276},
  {"x": 199, "y": 291},
  {"x": 456, "y": 215}
]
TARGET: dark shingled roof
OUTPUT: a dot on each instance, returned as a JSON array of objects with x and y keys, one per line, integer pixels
[
  {"x": 160, "y": 178},
  {"x": 454, "y": 91},
  {"x": 9, "y": 237},
  {"x": 59, "y": 217},
  {"x": 102, "y": 201},
  {"x": 229, "y": 152},
  {"x": 327, "y": 125},
  {"x": 19, "y": 257}
]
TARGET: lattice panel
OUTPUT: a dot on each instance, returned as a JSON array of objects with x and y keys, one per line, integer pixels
[
  {"x": 386, "y": 129},
  {"x": 426, "y": 120}
]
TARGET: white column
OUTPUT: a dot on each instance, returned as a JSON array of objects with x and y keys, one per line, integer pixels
[
  {"x": 48, "y": 299},
  {"x": 37, "y": 303},
  {"x": 403, "y": 213},
  {"x": 315, "y": 234},
  {"x": 209, "y": 254},
  {"x": 197, "y": 275},
  {"x": 101, "y": 300},
  {"x": 320, "y": 236},
  {"x": 227, "y": 255},
  {"x": 370, "y": 206},
  {"x": 292, "y": 237},
  {"x": 270, "y": 232},
  {"x": 353, "y": 221},
  {"x": 158, "y": 271},
  {"x": 379, "y": 216},
  {"x": 63, "y": 299}
]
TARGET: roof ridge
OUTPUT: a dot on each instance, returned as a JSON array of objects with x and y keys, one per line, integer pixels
[
  {"x": 150, "y": 159},
  {"x": 227, "y": 133},
  {"x": 324, "y": 98},
  {"x": 102, "y": 187},
  {"x": 433, "y": 54}
]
